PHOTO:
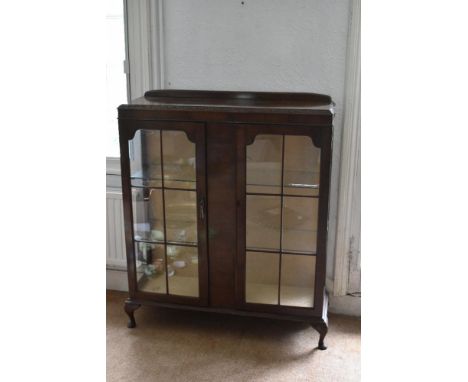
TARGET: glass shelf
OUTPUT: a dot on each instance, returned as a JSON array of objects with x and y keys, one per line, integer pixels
[
  {"x": 284, "y": 252},
  {"x": 307, "y": 186},
  {"x": 179, "y": 243},
  {"x": 169, "y": 184}
]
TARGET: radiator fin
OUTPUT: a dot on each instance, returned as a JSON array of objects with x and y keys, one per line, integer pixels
[{"x": 115, "y": 240}]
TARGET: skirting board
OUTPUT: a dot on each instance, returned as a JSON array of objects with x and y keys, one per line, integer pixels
[
  {"x": 116, "y": 279},
  {"x": 347, "y": 305}
]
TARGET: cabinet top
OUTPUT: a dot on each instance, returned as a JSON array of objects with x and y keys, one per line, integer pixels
[{"x": 234, "y": 101}]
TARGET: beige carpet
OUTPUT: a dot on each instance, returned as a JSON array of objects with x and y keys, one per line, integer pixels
[{"x": 174, "y": 345}]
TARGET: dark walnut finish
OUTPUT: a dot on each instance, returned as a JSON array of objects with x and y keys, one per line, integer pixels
[{"x": 236, "y": 224}]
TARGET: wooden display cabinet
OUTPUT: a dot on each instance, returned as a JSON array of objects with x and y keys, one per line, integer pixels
[{"x": 226, "y": 202}]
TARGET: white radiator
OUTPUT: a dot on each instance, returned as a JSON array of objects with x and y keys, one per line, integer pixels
[{"x": 115, "y": 240}]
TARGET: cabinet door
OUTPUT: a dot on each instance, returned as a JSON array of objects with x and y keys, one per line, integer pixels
[
  {"x": 282, "y": 190},
  {"x": 163, "y": 172}
]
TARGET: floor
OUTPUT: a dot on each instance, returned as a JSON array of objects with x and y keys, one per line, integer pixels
[{"x": 173, "y": 345}]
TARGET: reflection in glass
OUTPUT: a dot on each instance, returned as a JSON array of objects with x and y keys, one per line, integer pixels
[
  {"x": 264, "y": 164},
  {"x": 262, "y": 273},
  {"x": 300, "y": 224},
  {"x": 301, "y": 166},
  {"x": 145, "y": 158},
  {"x": 182, "y": 270},
  {"x": 148, "y": 218},
  {"x": 263, "y": 222},
  {"x": 179, "y": 160},
  {"x": 181, "y": 216},
  {"x": 297, "y": 280},
  {"x": 150, "y": 267}
]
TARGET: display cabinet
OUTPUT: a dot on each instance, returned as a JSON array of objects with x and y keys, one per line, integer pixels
[{"x": 226, "y": 202}]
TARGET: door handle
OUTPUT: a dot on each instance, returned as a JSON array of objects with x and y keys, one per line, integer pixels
[{"x": 202, "y": 208}]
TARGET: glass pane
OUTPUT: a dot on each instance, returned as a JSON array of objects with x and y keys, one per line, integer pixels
[
  {"x": 145, "y": 158},
  {"x": 181, "y": 216},
  {"x": 263, "y": 222},
  {"x": 148, "y": 218},
  {"x": 301, "y": 166},
  {"x": 179, "y": 160},
  {"x": 264, "y": 164},
  {"x": 297, "y": 280},
  {"x": 182, "y": 270},
  {"x": 150, "y": 267},
  {"x": 261, "y": 281},
  {"x": 300, "y": 224}
]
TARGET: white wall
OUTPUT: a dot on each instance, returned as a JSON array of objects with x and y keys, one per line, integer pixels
[{"x": 270, "y": 45}]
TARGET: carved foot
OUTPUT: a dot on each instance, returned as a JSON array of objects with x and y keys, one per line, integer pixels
[
  {"x": 322, "y": 328},
  {"x": 130, "y": 308}
]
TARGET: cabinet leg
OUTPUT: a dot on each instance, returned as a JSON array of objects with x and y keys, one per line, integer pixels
[
  {"x": 130, "y": 308},
  {"x": 322, "y": 328}
]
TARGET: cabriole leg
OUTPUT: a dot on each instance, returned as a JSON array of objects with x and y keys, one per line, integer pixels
[
  {"x": 130, "y": 308},
  {"x": 322, "y": 328}
]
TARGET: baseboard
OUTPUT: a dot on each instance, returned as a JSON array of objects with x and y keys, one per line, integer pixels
[
  {"x": 348, "y": 305},
  {"x": 116, "y": 279}
]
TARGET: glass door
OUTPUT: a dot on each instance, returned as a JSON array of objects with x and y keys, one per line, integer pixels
[
  {"x": 166, "y": 170},
  {"x": 280, "y": 211}
]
